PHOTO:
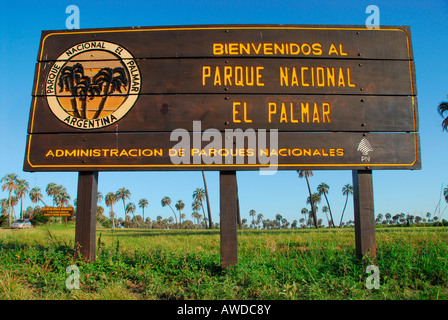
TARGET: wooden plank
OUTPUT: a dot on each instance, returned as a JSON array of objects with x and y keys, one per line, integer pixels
[
  {"x": 364, "y": 213},
  {"x": 228, "y": 218},
  {"x": 256, "y": 76},
  {"x": 85, "y": 231},
  {"x": 251, "y": 149},
  {"x": 264, "y": 40},
  {"x": 165, "y": 113}
]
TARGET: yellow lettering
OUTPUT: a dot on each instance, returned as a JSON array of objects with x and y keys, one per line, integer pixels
[
  {"x": 320, "y": 78},
  {"x": 217, "y": 80},
  {"x": 316, "y": 113},
  {"x": 294, "y": 77},
  {"x": 326, "y": 110},
  {"x": 235, "y": 112},
  {"x": 342, "y": 50},
  {"x": 330, "y": 77},
  {"x": 279, "y": 49},
  {"x": 49, "y": 154},
  {"x": 317, "y": 49},
  {"x": 294, "y": 48},
  {"x": 246, "y": 48},
  {"x": 283, "y": 116},
  {"x": 256, "y": 48},
  {"x": 206, "y": 72},
  {"x": 305, "y": 111},
  {"x": 332, "y": 50},
  {"x": 349, "y": 78},
  {"x": 284, "y": 76},
  {"x": 304, "y": 84},
  {"x": 292, "y": 114},
  {"x": 239, "y": 79},
  {"x": 272, "y": 109},
  {"x": 233, "y": 48},
  {"x": 259, "y": 83},
  {"x": 267, "y": 48},
  {"x": 228, "y": 75},
  {"x": 306, "y": 49},
  {"x": 250, "y": 76},
  {"x": 245, "y": 113},
  {"x": 218, "y": 49},
  {"x": 341, "y": 80}
]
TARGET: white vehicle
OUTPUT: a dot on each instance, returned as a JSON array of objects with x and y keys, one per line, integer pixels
[{"x": 21, "y": 224}]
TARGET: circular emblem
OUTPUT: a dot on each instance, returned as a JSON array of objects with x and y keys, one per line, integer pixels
[{"x": 93, "y": 84}]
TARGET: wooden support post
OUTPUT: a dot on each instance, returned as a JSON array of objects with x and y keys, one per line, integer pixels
[
  {"x": 85, "y": 233},
  {"x": 228, "y": 218},
  {"x": 364, "y": 213}
]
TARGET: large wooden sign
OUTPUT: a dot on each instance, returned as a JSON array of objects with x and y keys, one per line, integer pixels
[{"x": 224, "y": 98}]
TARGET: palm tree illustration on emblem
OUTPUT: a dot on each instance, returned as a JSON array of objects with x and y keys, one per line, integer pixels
[{"x": 89, "y": 93}]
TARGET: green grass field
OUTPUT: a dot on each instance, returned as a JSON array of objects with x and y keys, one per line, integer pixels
[{"x": 185, "y": 264}]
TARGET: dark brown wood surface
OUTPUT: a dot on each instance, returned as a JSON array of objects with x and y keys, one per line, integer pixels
[
  {"x": 177, "y": 76},
  {"x": 85, "y": 231},
  {"x": 260, "y": 67},
  {"x": 151, "y": 151},
  {"x": 228, "y": 218},
  {"x": 197, "y": 41},
  {"x": 165, "y": 113},
  {"x": 363, "y": 205}
]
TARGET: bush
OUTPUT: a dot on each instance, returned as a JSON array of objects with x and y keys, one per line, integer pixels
[{"x": 2, "y": 221}]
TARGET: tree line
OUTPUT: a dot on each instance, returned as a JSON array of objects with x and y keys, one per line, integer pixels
[{"x": 200, "y": 214}]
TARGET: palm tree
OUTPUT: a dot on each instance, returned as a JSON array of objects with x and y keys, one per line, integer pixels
[
  {"x": 143, "y": 203},
  {"x": 166, "y": 201},
  {"x": 9, "y": 183},
  {"x": 130, "y": 208},
  {"x": 445, "y": 194},
  {"x": 62, "y": 197},
  {"x": 313, "y": 201},
  {"x": 179, "y": 207},
  {"x": 83, "y": 89},
  {"x": 111, "y": 80},
  {"x": 195, "y": 206},
  {"x": 252, "y": 213},
  {"x": 111, "y": 199},
  {"x": 50, "y": 190},
  {"x": 325, "y": 210},
  {"x": 442, "y": 108},
  {"x": 322, "y": 189},
  {"x": 21, "y": 190},
  {"x": 306, "y": 174},
  {"x": 36, "y": 195},
  {"x": 259, "y": 218},
  {"x": 68, "y": 81},
  {"x": 199, "y": 195},
  {"x": 123, "y": 194},
  {"x": 196, "y": 215},
  {"x": 208, "y": 201},
  {"x": 99, "y": 196},
  {"x": 346, "y": 191},
  {"x": 14, "y": 202}
]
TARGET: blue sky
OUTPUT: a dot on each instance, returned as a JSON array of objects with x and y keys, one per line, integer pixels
[{"x": 413, "y": 192}]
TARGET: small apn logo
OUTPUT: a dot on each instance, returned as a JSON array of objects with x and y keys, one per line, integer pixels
[
  {"x": 364, "y": 147},
  {"x": 93, "y": 84}
]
